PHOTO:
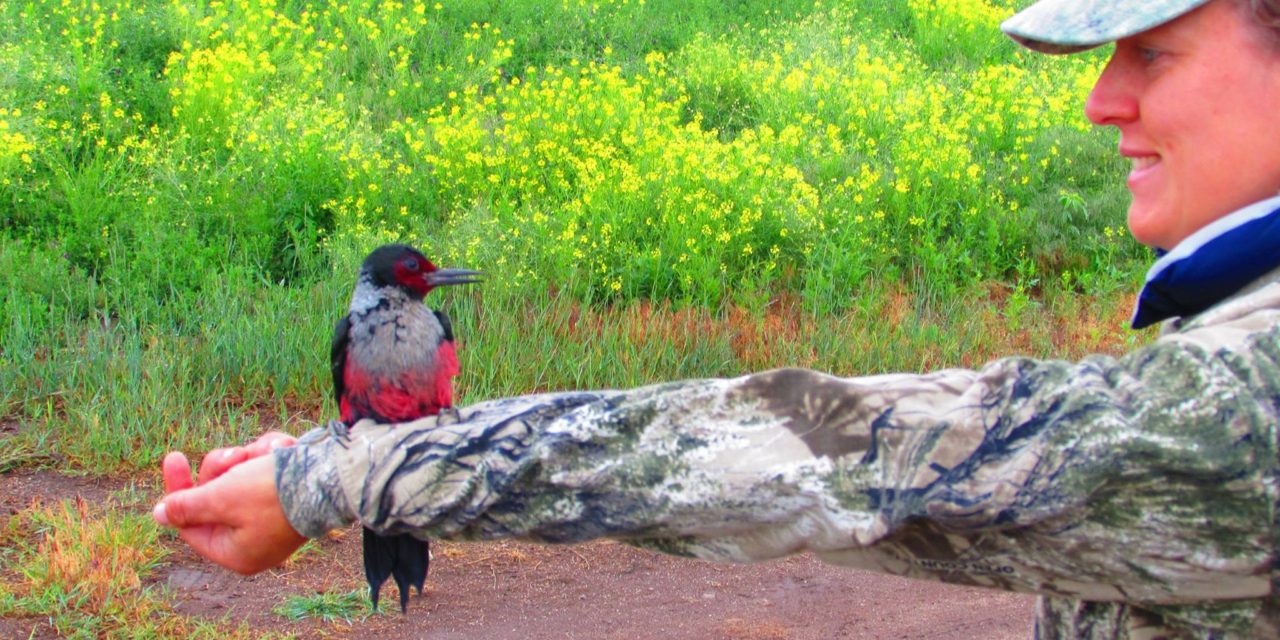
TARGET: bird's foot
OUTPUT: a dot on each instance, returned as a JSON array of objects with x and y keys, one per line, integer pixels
[{"x": 448, "y": 415}]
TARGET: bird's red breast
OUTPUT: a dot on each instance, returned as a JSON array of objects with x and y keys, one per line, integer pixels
[{"x": 399, "y": 397}]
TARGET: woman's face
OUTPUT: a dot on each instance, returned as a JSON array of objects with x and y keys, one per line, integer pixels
[{"x": 1197, "y": 102}]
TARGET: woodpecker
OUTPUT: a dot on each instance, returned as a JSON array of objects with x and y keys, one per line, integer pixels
[{"x": 393, "y": 360}]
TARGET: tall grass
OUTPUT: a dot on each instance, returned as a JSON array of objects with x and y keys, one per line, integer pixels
[{"x": 654, "y": 187}]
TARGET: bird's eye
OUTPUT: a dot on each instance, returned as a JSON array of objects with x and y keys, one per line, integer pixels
[{"x": 411, "y": 264}]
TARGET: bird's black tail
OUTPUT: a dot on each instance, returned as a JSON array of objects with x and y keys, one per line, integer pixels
[{"x": 402, "y": 557}]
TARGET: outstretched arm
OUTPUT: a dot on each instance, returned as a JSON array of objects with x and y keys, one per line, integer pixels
[{"x": 1145, "y": 479}]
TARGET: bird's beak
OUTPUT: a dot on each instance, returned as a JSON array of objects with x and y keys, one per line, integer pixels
[{"x": 448, "y": 277}]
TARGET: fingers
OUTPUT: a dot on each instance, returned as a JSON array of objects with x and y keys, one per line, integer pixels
[
  {"x": 268, "y": 442},
  {"x": 218, "y": 461},
  {"x": 176, "y": 472}
]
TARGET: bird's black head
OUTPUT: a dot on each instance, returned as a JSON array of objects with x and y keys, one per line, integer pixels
[{"x": 402, "y": 266}]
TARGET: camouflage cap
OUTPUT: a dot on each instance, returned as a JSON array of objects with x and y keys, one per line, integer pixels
[{"x": 1068, "y": 26}]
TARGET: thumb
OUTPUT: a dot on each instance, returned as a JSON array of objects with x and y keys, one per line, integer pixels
[{"x": 186, "y": 508}]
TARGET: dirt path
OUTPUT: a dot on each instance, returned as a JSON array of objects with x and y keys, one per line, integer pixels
[{"x": 602, "y": 590}]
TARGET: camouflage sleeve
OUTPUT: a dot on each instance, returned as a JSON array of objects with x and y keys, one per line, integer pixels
[{"x": 1149, "y": 478}]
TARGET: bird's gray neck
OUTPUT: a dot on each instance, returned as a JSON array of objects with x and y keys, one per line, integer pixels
[{"x": 369, "y": 296}]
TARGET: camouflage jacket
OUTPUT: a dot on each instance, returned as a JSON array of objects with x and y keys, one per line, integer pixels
[{"x": 1136, "y": 494}]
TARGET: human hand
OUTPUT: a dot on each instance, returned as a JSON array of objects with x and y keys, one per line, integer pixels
[{"x": 233, "y": 518}]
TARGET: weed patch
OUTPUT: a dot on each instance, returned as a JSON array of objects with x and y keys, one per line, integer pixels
[
  {"x": 83, "y": 569},
  {"x": 332, "y": 606}
]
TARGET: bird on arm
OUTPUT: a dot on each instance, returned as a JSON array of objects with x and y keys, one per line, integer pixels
[{"x": 393, "y": 360}]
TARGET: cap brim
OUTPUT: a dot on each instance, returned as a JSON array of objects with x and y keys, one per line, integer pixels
[{"x": 1068, "y": 26}]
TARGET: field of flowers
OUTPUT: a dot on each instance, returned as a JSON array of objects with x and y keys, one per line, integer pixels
[{"x": 186, "y": 187}]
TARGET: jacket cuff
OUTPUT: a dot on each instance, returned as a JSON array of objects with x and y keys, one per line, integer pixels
[{"x": 309, "y": 485}]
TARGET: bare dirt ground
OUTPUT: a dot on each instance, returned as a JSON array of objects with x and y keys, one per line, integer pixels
[{"x": 602, "y": 590}]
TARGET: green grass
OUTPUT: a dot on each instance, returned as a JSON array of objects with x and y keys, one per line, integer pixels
[
  {"x": 78, "y": 571},
  {"x": 656, "y": 189},
  {"x": 16, "y": 452},
  {"x": 332, "y": 606}
]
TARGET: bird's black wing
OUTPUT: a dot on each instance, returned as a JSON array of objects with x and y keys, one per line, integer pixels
[
  {"x": 338, "y": 356},
  {"x": 445, "y": 324}
]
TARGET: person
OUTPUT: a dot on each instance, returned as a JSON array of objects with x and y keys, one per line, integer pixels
[{"x": 1137, "y": 495}]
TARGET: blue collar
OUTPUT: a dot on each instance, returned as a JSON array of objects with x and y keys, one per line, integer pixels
[{"x": 1212, "y": 264}]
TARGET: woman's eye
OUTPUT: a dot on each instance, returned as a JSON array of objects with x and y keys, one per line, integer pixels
[{"x": 1149, "y": 55}]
